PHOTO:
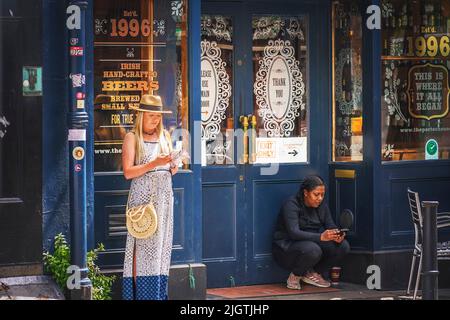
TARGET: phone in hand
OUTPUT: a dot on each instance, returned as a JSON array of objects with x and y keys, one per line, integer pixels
[
  {"x": 178, "y": 156},
  {"x": 342, "y": 231}
]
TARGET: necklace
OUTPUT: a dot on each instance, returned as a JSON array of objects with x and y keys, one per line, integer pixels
[{"x": 150, "y": 134}]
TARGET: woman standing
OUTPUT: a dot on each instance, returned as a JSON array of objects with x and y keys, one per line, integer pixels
[
  {"x": 146, "y": 160},
  {"x": 306, "y": 241}
]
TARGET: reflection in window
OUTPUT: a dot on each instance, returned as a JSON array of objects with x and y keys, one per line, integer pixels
[
  {"x": 347, "y": 82},
  {"x": 217, "y": 95},
  {"x": 140, "y": 48},
  {"x": 415, "y": 80}
]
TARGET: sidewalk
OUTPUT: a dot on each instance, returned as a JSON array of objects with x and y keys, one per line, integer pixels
[
  {"x": 29, "y": 288},
  {"x": 44, "y": 288},
  {"x": 347, "y": 291}
]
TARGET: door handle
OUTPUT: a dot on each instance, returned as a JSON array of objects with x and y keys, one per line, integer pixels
[
  {"x": 245, "y": 124},
  {"x": 253, "y": 134}
]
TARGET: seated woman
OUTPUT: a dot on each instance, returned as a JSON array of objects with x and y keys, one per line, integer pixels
[{"x": 307, "y": 241}]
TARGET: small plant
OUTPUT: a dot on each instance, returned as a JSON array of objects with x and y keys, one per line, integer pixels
[
  {"x": 57, "y": 264},
  {"x": 101, "y": 284}
]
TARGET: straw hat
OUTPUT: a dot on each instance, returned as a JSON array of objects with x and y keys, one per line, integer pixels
[{"x": 151, "y": 103}]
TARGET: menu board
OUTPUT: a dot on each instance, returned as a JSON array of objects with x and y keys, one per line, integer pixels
[{"x": 138, "y": 50}]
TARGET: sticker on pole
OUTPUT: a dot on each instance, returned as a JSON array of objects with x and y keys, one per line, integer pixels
[
  {"x": 78, "y": 168},
  {"x": 76, "y": 51},
  {"x": 77, "y": 135},
  {"x": 78, "y": 153}
]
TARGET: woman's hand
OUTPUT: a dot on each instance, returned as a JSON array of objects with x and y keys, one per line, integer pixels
[
  {"x": 162, "y": 160},
  {"x": 332, "y": 235},
  {"x": 328, "y": 235},
  {"x": 340, "y": 238},
  {"x": 173, "y": 170}
]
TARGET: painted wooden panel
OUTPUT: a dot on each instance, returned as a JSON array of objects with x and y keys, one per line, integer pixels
[
  {"x": 219, "y": 222},
  {"x": 400, "y": 229},
  {"x": 265, "y": 211}
]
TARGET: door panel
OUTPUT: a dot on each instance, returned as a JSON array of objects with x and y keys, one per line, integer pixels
[
  {"x": 20, "y": 143},
  {"x": 223, "y": 184},
  {"x": 280, "y": 136}
]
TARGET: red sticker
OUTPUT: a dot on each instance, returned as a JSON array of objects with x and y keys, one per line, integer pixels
[
  {"x": 76, "y": 51},
  {"x": 78, "y": 168}
]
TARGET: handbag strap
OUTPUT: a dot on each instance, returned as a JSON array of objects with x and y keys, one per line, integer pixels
[
  {"x": 136, "y": 213},
  {"x": 131, "y": 216}
]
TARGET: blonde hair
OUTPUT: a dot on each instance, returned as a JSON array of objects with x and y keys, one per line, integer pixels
[{"x": 165, "y": 141}]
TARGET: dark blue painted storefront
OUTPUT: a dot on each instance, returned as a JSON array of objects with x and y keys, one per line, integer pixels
[{"x": 219, "y": 222}]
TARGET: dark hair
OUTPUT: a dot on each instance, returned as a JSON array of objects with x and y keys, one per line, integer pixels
[{"x": 309, "y": 184}]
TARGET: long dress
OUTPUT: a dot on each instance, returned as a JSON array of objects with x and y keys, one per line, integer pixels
[{"x": 147, "y": 262}]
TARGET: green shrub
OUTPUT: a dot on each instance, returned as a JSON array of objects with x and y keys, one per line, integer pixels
[{"x": 57, "y": 264}]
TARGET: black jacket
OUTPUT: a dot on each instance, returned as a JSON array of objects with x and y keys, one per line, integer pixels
[{"x": 296, "y": 222}]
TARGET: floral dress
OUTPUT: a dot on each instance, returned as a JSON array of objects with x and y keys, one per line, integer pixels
[{"x": 147, "y": 262}]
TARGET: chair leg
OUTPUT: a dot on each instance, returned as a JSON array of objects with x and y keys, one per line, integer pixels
[
  {"x": 411, "y": 274},
  {"x": 419, "y": 271}
]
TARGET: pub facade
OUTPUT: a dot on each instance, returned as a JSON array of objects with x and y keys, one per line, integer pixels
[{"x": 263, "y": 93}]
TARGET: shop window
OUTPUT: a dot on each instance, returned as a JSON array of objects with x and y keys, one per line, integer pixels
[
  {"x": 415, "y": 80},
  {"x": 347, "y": 82},
  {"x": 140, "y": 47},
  {"x": 280, "y": 89},
  {"x": 217, "y": 90}
]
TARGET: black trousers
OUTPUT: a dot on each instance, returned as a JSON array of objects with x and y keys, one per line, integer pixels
[{"x": 303, "y": 256}]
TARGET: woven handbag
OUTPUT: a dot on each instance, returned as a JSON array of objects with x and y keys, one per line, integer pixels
[{"x": 142, "y": 220}]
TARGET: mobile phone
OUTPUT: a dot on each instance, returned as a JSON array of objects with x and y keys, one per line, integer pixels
[
  {"x": 342, "y": 231},
  {"x": 176, "y": 154}
]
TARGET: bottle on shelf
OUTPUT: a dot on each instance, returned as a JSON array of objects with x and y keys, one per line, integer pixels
[
  {"x": 431, "y": 15},
  {"x": 393, "y": 20},
  {"x": 438, "y": 16},
  {"x": 410, "y": 17},
  {"x": 386, "y": 24},
  {"x": 404, "y": 16},
  {"x": 424, "y": 14},
  {"x": 386, "y": 48}
]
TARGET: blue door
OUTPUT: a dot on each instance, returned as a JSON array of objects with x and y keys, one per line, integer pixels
[{"x": 265, "y": 86}]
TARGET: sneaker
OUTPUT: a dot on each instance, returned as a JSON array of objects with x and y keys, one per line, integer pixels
[
  {"x": 293, "y": 282},
  {"x": 315, "y": 279}
]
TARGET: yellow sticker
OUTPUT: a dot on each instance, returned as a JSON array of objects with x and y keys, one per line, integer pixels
[
  {"x": 80, "y": 104},
  {"x": 78, "y": 153}
]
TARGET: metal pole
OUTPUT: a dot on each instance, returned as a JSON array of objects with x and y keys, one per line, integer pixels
[
  {"x": 430, "y": 272},
  {"x": 78, "y": 120}
]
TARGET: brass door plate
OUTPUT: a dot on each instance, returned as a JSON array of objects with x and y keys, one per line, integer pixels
[{"x": 345, "y": 174}]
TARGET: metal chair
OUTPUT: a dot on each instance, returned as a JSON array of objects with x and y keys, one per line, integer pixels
[{"x": 443, "y": 251}]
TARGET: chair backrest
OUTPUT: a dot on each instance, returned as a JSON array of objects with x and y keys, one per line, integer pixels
[{"x": 416, "y": 214}]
